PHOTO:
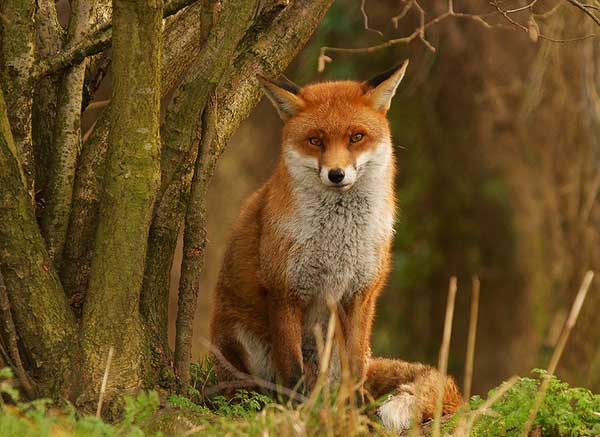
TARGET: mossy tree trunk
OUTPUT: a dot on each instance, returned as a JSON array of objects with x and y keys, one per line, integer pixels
[
  {"x": 130, "y": 183},
  {"x": 93, "y": 273},
  {"x": 42, "y": 316}
]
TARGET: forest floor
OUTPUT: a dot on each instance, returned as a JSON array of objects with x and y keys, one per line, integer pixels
[{"x": 564, "y": 411}]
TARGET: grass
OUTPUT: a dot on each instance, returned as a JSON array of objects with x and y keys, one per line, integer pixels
[
  {"x": 565, "y": 411},
  {"x": 540, "y": 405}
]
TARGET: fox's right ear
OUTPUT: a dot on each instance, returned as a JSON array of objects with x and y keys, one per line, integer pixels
[{"x": 284, "y": 96}]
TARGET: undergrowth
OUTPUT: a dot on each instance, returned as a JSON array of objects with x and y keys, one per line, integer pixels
[{"x": 565, "y": 411}]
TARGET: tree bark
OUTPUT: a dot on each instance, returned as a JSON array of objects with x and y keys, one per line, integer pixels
[
  {"x": 90, "y": 175},
  {"x": 49, "y": 38},
  {"x": 17, "y": 56},
  {"x": 99, "y": 41},
  {"x": 180, "y": 134},
  {"x": 110, "y": 313},
  {"x": 66, "y": 140},
  {"x": 9, "y": 337},
  {"x": 237, "y": 95},
  {"x": 42, "y": 315}
]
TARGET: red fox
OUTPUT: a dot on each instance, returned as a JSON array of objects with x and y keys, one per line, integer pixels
[{"x": 319, "y": 233}]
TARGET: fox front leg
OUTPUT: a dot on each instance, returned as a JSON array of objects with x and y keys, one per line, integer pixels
[
  {"x": 357, "y": 320},
  {"x": 285, "y": 320}
]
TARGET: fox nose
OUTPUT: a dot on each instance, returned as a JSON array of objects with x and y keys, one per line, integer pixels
[{"x": 336, "y": 175}]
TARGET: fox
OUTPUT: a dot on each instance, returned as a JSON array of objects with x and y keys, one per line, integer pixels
[{"x": 318, "y": 234}]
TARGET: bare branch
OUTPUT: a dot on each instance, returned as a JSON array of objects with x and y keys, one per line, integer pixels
[
  {"x": 529, "y": 29},
  {"x": 586, "y": 10},
  {"x": 366, "y": 19},
  {"x": 244, "y": 378},
  {"x": 419, "y": 32}
]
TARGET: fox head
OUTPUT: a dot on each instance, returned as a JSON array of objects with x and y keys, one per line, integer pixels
[{"x": 335, "y": 133}]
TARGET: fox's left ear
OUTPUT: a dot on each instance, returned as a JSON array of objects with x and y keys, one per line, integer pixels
[
  {"x": 284, "y": 96},
  {"x": 380, "y": 90}
]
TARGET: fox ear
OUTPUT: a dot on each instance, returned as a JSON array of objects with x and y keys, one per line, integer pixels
[
  {"x": 380, "y": 90},
  {"x": 283, "y": 95}
]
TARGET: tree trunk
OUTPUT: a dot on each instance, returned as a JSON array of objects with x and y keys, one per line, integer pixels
[
  {"x": 17, "y": 57},
  {"x": 110, "y": 313},
  {"x": 177, "y": 57},
  {"x": 180, "y": 134},
  {"x": 65, "y": 329},
  {"x": 42, "y": 315},
  {"x": 66, "y": 140}
]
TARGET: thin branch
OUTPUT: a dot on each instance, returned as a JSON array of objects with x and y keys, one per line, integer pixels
[
  {"x": 402, "y": 14},
  {"x": 194, "y": 245},
  {"x": 585, "y": 9},
  {"x": 558, "y": 350},
  {"x": 366, "y": 19},
  {"x": 526, "y": 29},
  {"x": 95, "y": 43},
  {"x": 506, "y": 15},
  {"x": 419, "y": 32},
  {"x": 244, "y": 377},
  {"x": 522, "y": 8},
  {"x": 443, "y": 360}
]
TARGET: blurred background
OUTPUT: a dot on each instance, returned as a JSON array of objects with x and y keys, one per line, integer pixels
[{"x": 498, "y": 154}]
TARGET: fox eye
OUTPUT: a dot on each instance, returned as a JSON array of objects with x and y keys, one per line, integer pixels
[
  {"x": 315, "y": 141},
  {"x": 355, "y": 138}
]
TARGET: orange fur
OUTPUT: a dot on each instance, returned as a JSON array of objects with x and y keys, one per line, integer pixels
[{"x": 261, "y": 303}]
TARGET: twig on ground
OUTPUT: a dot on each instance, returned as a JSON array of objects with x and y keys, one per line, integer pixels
[
  {"x": 246, "y": 377},
  {"x": 558, "y": 350},
  {"x": 468, "y": 379},
  {"x": 443, "y": 360},
  {"x": 104, "y": 381}
]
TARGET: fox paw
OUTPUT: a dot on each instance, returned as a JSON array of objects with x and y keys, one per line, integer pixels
[{"x": 397, "y": 412}]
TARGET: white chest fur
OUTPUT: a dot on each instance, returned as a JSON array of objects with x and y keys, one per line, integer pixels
[{"x": 338, "y": 236}]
